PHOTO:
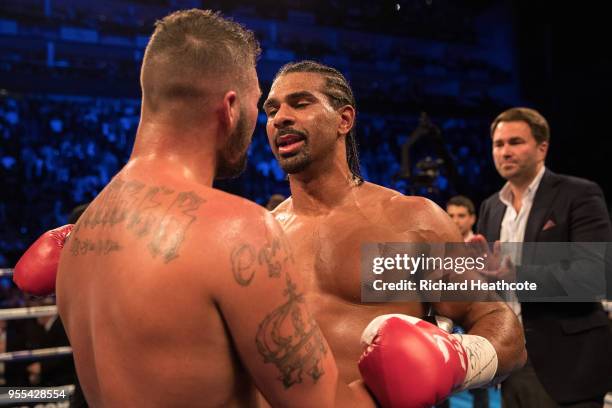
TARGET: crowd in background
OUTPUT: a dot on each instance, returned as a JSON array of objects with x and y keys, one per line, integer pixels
[
  {"x": 58, "y": 152},
  {"x": 69, "y": 95}
]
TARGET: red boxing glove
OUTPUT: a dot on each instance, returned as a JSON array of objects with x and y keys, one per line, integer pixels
[
  {"x": 411, "y": 363},
  {"x": 36, "y": 269}
]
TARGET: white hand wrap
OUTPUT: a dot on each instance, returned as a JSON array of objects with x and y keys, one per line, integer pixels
[
  {"x": 481, "y": 355},
  {"x": 482, "y": 361}
]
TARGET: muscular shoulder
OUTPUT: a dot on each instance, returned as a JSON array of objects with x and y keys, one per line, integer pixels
[
  {"x": 230, "y": 217},
  {"x": 230, "y": 239},
  {"x": 414, "y": 214},
  {"x": 246, "y": 243}
]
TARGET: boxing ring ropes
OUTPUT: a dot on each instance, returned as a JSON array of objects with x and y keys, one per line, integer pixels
[
  {"x": 53, "y": 352},
  {"x": 30, "y": 355}
]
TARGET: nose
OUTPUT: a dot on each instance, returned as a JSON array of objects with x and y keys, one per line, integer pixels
[
  {"x": 504, "y": 151},
  {"x": 507, "y": 151},
  {"x": 284, "y": 117}
]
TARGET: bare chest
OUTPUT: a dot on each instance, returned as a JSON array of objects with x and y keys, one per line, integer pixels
[{"x": 327, "y": 251}]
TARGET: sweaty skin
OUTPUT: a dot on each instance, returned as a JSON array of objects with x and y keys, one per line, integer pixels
[
  {"x": 137, "y": 296},
  {"x": 329, "y": 216},
  {"x": 172, "y": 292},
  {"x": 329, "y": 244},
  {"x": 327, "y": 250}
]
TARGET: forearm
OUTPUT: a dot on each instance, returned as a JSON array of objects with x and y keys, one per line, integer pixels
[{"x": 500, "y": 326}]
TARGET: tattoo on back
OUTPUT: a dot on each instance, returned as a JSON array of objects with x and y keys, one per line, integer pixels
[
  {"x": 156, "y": 213},
  {"x": 290, "y": 339}
]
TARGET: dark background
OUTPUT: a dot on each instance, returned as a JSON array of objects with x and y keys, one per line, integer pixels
[{"x": 69, "y": 92}]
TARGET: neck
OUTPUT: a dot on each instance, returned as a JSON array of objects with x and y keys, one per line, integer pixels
[
  {"x": 519, "y": 185},
  {"x": 319, "y": 193},
  {"x": 188, "y": 151}
]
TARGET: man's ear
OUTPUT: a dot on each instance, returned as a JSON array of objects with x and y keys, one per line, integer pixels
[
  {"x": 472, "y": 219},
  {"x": 229, "y": 111},
  {"x": 347, "y": 119},
  {"x": 543, "y": 149}
]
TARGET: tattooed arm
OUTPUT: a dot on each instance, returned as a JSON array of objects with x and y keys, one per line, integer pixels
[{"x": 262, "y": 302}]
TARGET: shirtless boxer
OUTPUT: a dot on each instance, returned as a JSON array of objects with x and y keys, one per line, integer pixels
[
  {"x": 161, "y": 210},
  {"x": 332, "y": 211},
  {"x": 174, "y": 293}
]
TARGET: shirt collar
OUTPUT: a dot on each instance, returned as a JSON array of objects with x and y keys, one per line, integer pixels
[
  {"x": 505, "y": 194},
  {"x": 533, "y": 187}
]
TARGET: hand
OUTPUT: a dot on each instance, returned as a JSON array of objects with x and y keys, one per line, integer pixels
[
  {"x": 36, "y": 269},
  {"x": 505, "y": 270},
  {"x": 479, "y": 242},
  {"x": 497, "y": 266},
  {"x": 411, "y": 363}
]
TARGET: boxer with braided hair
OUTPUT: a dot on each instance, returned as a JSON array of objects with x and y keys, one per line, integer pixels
[{"x": 332, "y": 211}]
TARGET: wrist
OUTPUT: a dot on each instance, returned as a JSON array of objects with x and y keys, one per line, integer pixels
[{"x": 481, "y": 361}]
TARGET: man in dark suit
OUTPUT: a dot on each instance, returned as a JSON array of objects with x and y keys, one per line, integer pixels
[{"x": 569, "y": 344}]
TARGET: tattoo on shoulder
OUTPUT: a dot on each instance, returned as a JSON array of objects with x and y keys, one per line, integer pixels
[
  {"x": 158, "y": 214},
  {"x": 290, "y": 339},
  {"x": 100, "y": 247},
  {"x": 246, "y": 259},
  {"x": 243, "y": 260}
]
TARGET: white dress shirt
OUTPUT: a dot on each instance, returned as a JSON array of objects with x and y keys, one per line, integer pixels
[{"x": 514, "y": 223}]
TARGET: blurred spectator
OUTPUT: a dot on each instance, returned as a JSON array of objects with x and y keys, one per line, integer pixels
[
  {"x": 462, "y": 212},
  {"x": 58, "y": 152}
]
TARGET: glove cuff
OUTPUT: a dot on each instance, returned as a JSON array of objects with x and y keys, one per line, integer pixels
[{"x": 371, "y": 331}]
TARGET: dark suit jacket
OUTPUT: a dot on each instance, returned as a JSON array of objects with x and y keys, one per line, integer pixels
[{"x": 569, "y": 344}]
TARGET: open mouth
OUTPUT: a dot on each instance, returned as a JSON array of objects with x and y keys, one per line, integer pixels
[{"x": 289, "y": 144}]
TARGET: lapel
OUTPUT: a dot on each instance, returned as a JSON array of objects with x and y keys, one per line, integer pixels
[
  {"x": 542, "y": 205},
  {"x": 497, "y": 215}
]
